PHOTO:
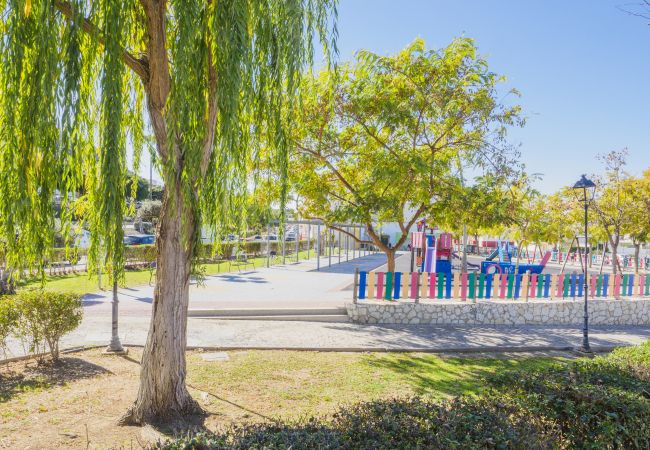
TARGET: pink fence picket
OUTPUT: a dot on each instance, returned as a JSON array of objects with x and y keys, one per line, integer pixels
[
  {"x": 432, "y": 286},
  {"x": 380, "y": 285},
  {"x": 414, "y": 284}
]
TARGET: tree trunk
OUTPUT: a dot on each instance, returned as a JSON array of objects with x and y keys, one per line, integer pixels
[
  {"x": 162, "y": 395},
  {"x": 614, "y": 258},
  {"x": 463, "y": 266},
  {"x": 637, "y": 250},
  {"x": 390, "y": 259}
]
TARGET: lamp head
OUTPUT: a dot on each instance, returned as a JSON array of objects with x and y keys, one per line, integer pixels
[{"x": 587, "y": 186}]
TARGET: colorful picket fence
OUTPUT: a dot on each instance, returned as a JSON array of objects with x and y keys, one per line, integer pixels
[{"x": 473, "y": 286}]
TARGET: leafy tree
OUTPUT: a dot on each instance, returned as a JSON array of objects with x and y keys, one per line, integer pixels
[
  {"x": 638, "y": 224},
  {"x": 149, "y": 211},
  {"x": 378, "y": 141},
  {"x": 207, "y": 74},
  {"x": 612, "y": 201},
  {"x": 477, "y": 208}
]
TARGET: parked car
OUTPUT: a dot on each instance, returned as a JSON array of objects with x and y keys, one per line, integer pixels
[{"x": 139, "y": 239}]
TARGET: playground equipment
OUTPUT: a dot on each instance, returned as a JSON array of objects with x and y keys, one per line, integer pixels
[
  {"x": 432, "y": 254},
  {"x": 504, "y": 265}
]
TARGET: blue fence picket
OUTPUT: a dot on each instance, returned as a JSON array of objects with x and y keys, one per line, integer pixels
[
  {"x": 397, "y": 285},
  {"x": 517, "y": 285},
  {"x": 362, "y": 285},
  {"x": 630, "y": 285},
  {"x": 572, "y": 285},
  {"x": 581, "y": 283}
]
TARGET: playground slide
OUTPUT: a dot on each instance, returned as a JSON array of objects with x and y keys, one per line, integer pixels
[{"x": 493, "y": 255}]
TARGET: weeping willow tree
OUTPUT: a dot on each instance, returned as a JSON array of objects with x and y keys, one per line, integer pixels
[{"x": 80, "y": 80}]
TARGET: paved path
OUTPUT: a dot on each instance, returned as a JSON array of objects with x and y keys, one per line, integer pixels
[
  {"x": 282, "y": 286},
  {"x": 342, "y": 336}
]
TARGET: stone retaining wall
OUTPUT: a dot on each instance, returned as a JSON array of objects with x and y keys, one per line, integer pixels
[{"x": 554, "y": 312}]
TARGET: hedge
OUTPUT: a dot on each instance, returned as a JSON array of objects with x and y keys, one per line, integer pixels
[
  {"x": 588, "y": 403},
  {"x": 137, "y": 256}
]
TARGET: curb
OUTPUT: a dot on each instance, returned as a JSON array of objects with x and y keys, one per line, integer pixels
[{"x": 433, "y": 350}]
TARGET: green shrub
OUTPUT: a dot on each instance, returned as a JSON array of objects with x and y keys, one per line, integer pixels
[
  {"x": 596, "y": 403},
  {"x": 8, "y": 318},
  {"x": 44, "y": 317},
  {"x": 600, "y": 403}
]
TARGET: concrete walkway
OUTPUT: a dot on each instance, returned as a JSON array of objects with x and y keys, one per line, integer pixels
[
  {"x": 293, "y": 285},
  {"x": 226, "y": 334}
]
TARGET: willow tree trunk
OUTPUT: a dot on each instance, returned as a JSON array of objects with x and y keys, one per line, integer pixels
[{"x": 162, "y": 395}]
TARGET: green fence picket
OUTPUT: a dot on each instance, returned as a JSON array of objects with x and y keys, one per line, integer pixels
[
  {"x": 389, "y": 285},
  {"x": 599, "y": 285},
  {"x": 441, "y": 284},
  {"x": 481, "y": 285},
  {"x": 567, "y": 284},
  {"x": 511, "y": 283},
  {"x": 471, "y": 280}
]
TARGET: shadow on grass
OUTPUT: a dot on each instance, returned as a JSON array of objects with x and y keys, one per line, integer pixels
[
  {"x": 436, "y": 377},
  {"x": 37, "y": 377}
]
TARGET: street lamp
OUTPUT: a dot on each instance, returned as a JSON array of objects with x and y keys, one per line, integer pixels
[{"x": 584, "y": 191}]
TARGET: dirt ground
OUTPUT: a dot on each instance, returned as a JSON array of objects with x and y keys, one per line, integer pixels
[{"x": 40, "y": 410}]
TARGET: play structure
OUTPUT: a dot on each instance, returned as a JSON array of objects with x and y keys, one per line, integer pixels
[
  {"x": 504, "y": 265},
  {"x": 432, "y": 253}
]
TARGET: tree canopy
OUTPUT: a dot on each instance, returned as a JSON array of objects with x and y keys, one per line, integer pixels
[{"x": 379, "y": 140}]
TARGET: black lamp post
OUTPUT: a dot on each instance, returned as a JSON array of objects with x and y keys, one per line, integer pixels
[{"x": 584, "y": 190}]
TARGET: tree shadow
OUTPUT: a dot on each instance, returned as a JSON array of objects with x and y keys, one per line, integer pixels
[
  {"x": 34, "y": 377},
  {"x": 435, "y": 376}
]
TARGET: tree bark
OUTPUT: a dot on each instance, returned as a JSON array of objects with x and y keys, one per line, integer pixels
[
  {"x": 463, "y": 266},
  {"x": 390, "y": 259},
  {"x": 637, "y": 250},
  {"x": 162, "y": 395},
  {"x": 614, "y": 257}
]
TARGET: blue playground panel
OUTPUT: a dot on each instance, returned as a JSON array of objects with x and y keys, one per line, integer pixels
[{"x": 509, "y": 268}]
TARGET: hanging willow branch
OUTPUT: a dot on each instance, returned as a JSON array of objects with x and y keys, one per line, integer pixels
[{"x": 76, "y": 77}]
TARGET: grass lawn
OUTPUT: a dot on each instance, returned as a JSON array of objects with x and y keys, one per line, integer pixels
[
  {"x": 76, "y": 404},
  {"x": 83, "y": 283}
]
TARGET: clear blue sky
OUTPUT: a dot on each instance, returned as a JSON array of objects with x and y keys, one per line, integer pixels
[{"x": 583, "y": 68}]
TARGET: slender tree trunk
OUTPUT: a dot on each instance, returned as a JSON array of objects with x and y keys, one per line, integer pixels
[
  {"x": 390, "y": 259},
  {"x": 614, "y": 258},
  {"x": 637, "y": 250},
  {"x": 463, "y": 266},
  {"x": 162, "y": 395}
]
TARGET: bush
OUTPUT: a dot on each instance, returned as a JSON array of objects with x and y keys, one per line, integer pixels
[
  {"x": 8, "y": 318},
  {"x": 149, "y": 211},
  {"x": 588, "y": 403},
  {"x": 44, "y": 317},
  {"x": 598, "y": 403}
]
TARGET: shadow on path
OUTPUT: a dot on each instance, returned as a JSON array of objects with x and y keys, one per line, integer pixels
[{"x": 365, "y": 263}]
